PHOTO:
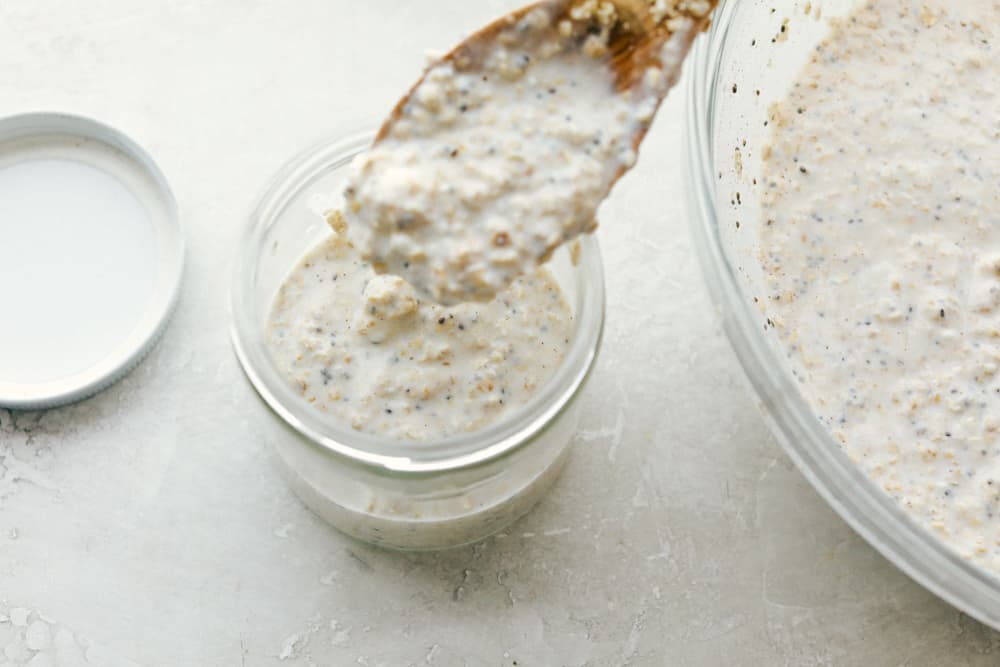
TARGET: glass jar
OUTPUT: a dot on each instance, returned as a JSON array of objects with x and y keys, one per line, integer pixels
[
  {"x": 402, "y": 495},
  {"x": 746, "y": 63}
]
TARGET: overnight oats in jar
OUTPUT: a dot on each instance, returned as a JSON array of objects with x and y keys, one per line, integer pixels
[
  {"x": 400, "y": 421},
  {"x": 422, "y": 322}
]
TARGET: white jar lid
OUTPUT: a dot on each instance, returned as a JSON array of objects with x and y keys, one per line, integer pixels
[{"x": 91, "y": 256}]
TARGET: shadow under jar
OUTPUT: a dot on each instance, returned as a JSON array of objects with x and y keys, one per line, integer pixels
[{"x": 401, "y": 494}]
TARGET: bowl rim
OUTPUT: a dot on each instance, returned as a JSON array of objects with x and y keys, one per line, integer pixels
[
  {"x": 384, "y": 455},
  {"x": 852, "y": 494}
]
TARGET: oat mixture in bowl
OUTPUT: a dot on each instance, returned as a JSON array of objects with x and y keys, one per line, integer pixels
[{"x": 845, "y": 164}]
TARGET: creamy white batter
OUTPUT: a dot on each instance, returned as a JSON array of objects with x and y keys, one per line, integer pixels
[
  {"x": 500, "y": 156},
  {"x": 881, "y": 243},
  {"x": 366, "y": 350}
]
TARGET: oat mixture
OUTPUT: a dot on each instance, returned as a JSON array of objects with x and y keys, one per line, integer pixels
[
  {"x": 365, "y": 349},
  {"x": 881, "y": 243},
  {"x": 499, "y": 156}
]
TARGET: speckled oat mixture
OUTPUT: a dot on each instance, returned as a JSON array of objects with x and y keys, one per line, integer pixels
[
  {"x": 881, "y": 242},
  {"x": 500, "y": 156},
  {"x": 366, "y": 350}
]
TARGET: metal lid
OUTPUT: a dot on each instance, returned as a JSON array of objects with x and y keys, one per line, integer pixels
[{"x": 91, "y": 256}]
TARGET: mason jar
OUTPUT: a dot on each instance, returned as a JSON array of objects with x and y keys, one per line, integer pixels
[{"x": 401, "y": 494}]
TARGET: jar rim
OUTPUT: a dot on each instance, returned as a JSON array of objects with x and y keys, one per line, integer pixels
[
  {"x": 390, "y": 456},
  {"x": 843, "y": 485}
]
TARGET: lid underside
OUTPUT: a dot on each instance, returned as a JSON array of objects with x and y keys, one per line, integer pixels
[{"x": 90, "y": 258}]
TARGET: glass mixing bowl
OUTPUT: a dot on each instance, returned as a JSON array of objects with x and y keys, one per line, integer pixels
[
  {"x": 404, "y": 495},
  {"x": 747, "y": 61}
]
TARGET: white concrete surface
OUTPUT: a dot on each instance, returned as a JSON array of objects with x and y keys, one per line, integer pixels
[{"x": 148, "y": 525}]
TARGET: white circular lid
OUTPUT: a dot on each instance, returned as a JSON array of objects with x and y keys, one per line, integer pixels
[{"x": 91, "y": 256}]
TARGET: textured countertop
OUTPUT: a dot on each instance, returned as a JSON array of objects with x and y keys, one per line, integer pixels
[{"x": 149, "y": 525}]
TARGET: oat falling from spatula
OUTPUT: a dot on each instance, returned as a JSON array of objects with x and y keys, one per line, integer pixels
[{"x": 507, "y": 145}]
